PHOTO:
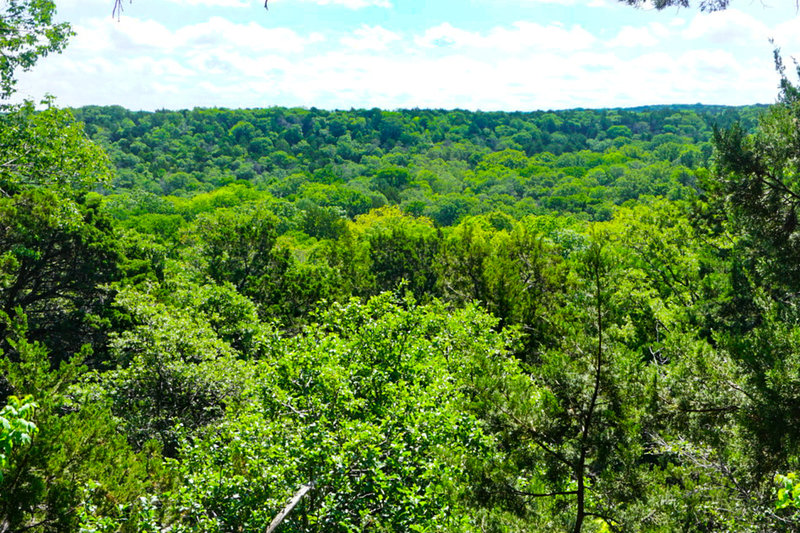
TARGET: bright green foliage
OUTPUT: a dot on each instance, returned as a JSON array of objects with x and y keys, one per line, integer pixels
[
  {"x": 672, "y": 281},
  {"x": 48, "y": 148},
  {"x": 27, "y": 32},
  {"x": 177, "y": 364},
  {"x": 15, "y": 427},
  {"x": 788, "y": 491},
  {"x": 610, "y": 389},
  {"x": 398, "y": 249},
  {"x": 445, "y": 165},
  {"x": 363, "y": 406}
]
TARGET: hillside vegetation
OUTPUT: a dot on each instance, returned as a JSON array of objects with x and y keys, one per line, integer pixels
[{"x": 426, "y": 320}]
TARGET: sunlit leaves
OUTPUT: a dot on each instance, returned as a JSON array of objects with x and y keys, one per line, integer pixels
[
  {"x": 16, "y": 428},
  {"x": 364, "y": 406},
  {"x": 48, "y": 149}
]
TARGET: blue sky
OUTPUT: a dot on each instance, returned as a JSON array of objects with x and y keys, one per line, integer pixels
[{"x": 338, "y": 54}]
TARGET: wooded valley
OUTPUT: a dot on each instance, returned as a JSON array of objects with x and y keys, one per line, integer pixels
[
  {"x": 301, "y": 320},
  {"x": 437, "y": 320}
]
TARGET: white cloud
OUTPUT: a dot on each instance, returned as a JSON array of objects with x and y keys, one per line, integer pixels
[
  {"x": 213, "y": 3},
  {"x": 787, "y": 38},
  {"x": 351, "y": 4},
  {"x": 135, "y": 32},
  {"x": 520, "y": 37},
  {"x": 529, "y": 35},
  {"x": 143, "y": 63},
  {"x": 660, "y": 30},
  {"x": 446, "y": 35},
  {"x": 727, "y": 28},
  {"x": 349, "y": 77},
  {"x": 559, "y": 2},
  {"x": 67, "y": 4},
  {"x": 370, "y": 38},
  {"x": 219, "y": 33},
  {"x": 585, "y": 3},
  {"x": 130, "y": 36},
  {"x": 629, "y": 37}
]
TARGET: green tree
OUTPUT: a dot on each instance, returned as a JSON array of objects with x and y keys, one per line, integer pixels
[
  {"x": 78, "y": 455},
  {"x": 174, "y": 370},
  {"x": 27, "y": 32},
  {"x": 399, "y": 249},
  {"x": 568, "y": 425},
  {"x": 362, "y": 408},
  {"x": 48, "y": 149},
  {"x": 58, "y": 258},
  {"x": 240, "y": 246},
  {"x": 15, "y": 428},
  {"x": 757, "y": 180}
]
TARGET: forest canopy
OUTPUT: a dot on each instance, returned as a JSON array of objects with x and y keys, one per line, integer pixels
[
  {"x": 291, "y": 319},
  {"x": 535, "y": 321}
]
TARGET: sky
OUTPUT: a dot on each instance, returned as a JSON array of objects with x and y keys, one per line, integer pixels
[{"x": 520, "y": 55}]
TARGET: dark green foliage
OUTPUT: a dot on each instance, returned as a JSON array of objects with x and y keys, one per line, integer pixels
[
  {"x": 400, "y": 251},
  {"x": 516, "y": 273},
  {"x": 757, "y": 183},
  {"x": 705, "y": 5},
  {"x": 58, "y": 255},
  {"x": 236, "y": 368},
  {"x": 757, "y": 177},
  {"x": 323, "y": 223},
  {"x": 607, "y": 337},
  {"x": 569, "y": 428},
  {"x": 238, "y": 247},
  {"x": 76, "y": 450}
]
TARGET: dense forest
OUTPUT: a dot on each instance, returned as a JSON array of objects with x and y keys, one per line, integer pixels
[
  {"x": 300, "y": 320},
  {"x": 439, "y": 164}
]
